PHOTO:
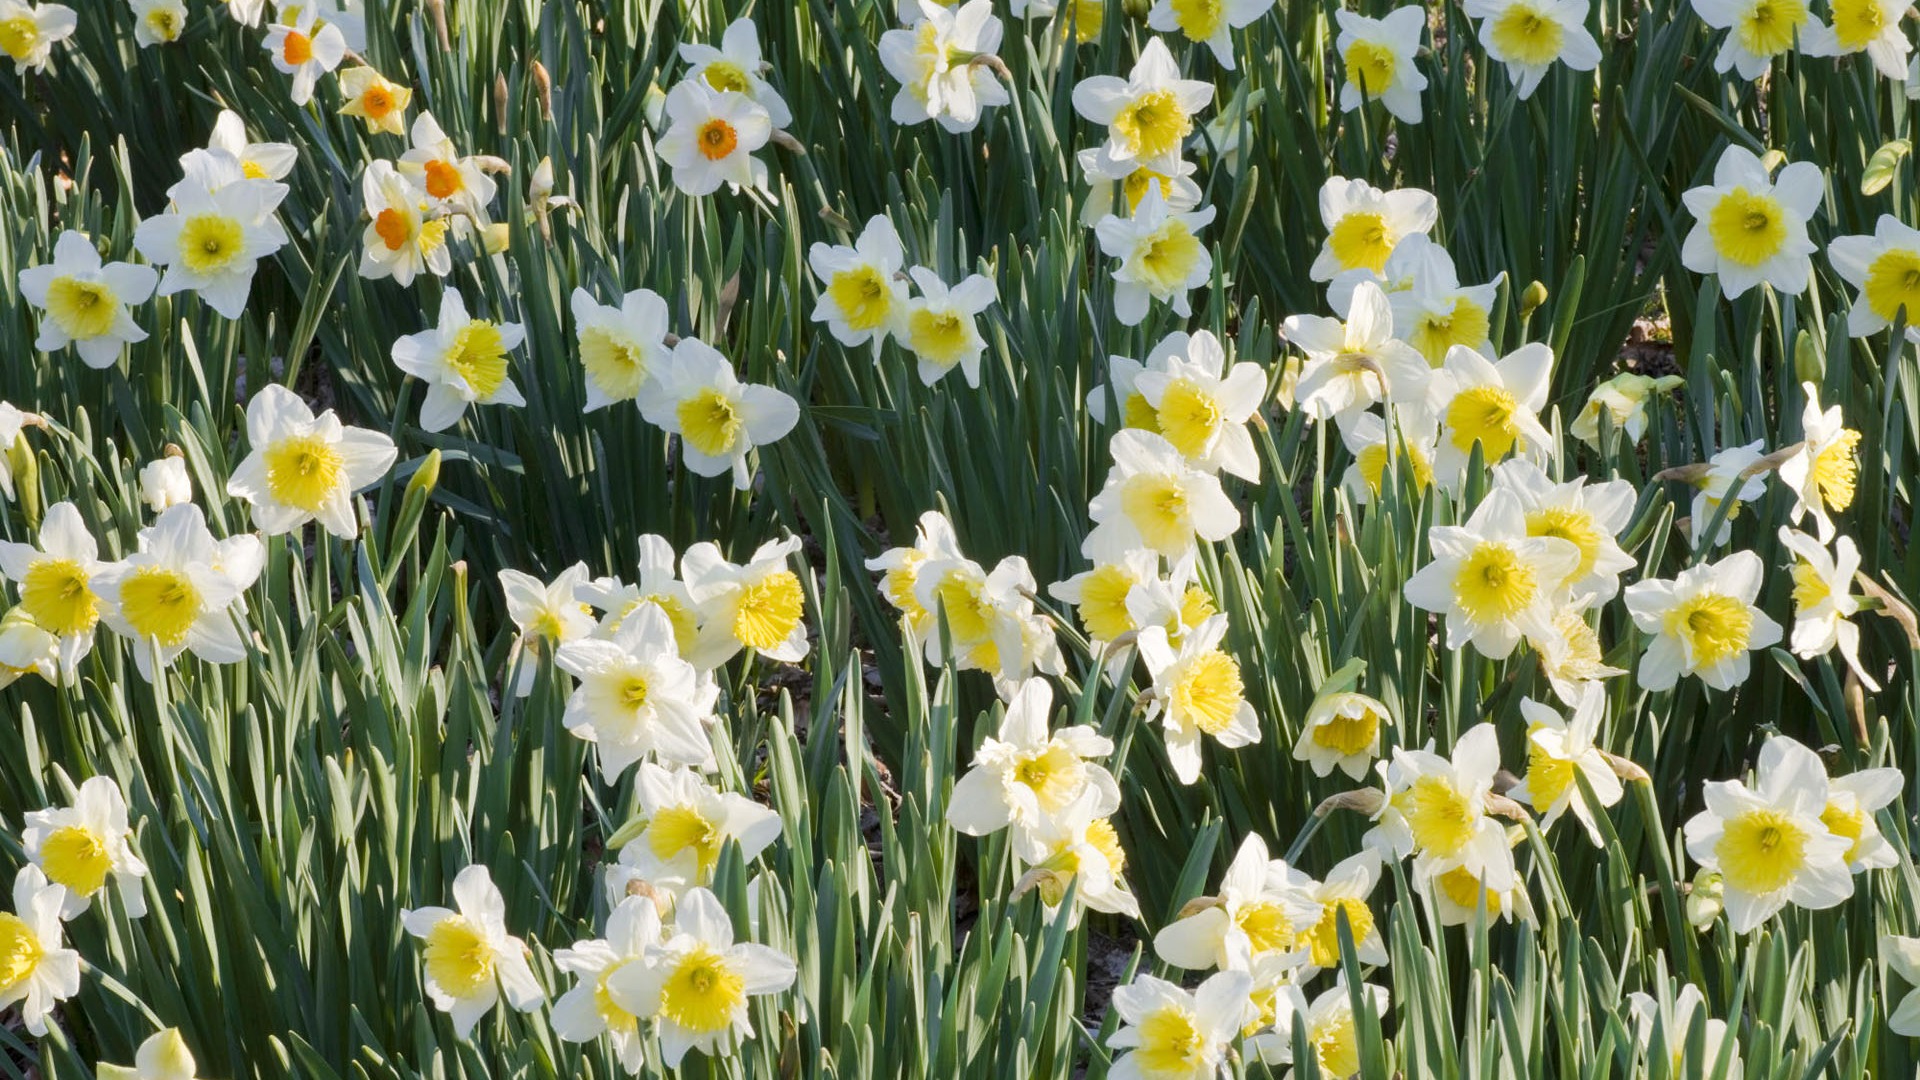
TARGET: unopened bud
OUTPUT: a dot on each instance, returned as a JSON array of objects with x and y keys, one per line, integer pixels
[
  {"x": 1531, "y": 298},
  {"x": 543, "y": 87}
]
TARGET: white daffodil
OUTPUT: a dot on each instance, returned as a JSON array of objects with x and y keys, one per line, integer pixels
[
  {"x": 1076, "y": 848},
  {"x": 1261, "y": 911},
  {"x": 1353, "y": 365},
  {"x": 1557, "y": 748},
  {"x": 1768, "y": 842},
  {"x": 85, "y": 302},
  {"x": 588, "y": 1010},
  {"x": 1155, "y": 498},
  {"x": 258, "y": 161},
  {"x": 211, "y": 241},
  {"x": 1414, "y": 446},
  {"x": 1196, "y": 690},
  {"x": 1530, "y": 36},
  {"x": 1436, "y": 810},
  {"x": 1749, "y": 228},
  {"x": 1494, "y": 403},
  {"x": 899, "y": 567},
  {"x": 1589, "y": 516},
  {"x": 1123, "y": 373},
  {"x": 1148, "y": 114},
  {"x": 1823, "y": 600},
  {"x": 1702, "y": 623},
  {"x": 1571, "y": 656},
  {"x": 37, "y": 970},
  {"x": 547, "y": 616},
  {"x": 1623, "y": 399},
  {"x": 1378, "y": 56},
  {"x": 304, "y": 467},
  {"x": 158, "y": 22},
  {"x": 1823, "y": 473},
  {"x": 85, "y": 845},
  {"x": 1863, "y": 26},
  {"x": 942, "y": 62},
  {"x": 1674, "y": 1017},
  {"x": 1461, "y": 898},
  {"x": 400, "y": 240},
  {"x": 621, "y": 347},
  {"x": 1207, "y": 22},
  {"x": 1852, "y": 802},
  {"x": 941, "y": 326},
  {"x": 471, "y": 959},
  {"x": 758, "y": 606},
  {"x": 1202, "y": 407},
  {"x": 1134, "y": 176},
  {"x": 454, "y": 184},
  {"x": 863, "y": 297},
  {"x": 720, "y": 420},
  {"x": 1025, "y": 774},
  {"x": 349, "y": 16},
  {"x": 56, "y": 582},
  {"x": 305, "y": 47},
  {"x": 736, "y": 66},
  {"x": 1492, "y": 580},
  {"x": 1731, "y": 473},
  {"x": 1343, "y": 895},
  {"x": 1885, "y": 268},
  {"x": 463, "y": 361},
  {"x": 28, "y": 33},
  {"x": 1099, "y": 595},
  {"x": 163, "y": 1056},
  {"x": 1176, "y": 603},
  {"x": 13, "y": 425},
  {"x": 1366, "y": 225},
  {"x": 659, "y": 587},
  {"x": 1342, "y": 731},
  {"x": 1759, "y": 31},
  {"x": 176, "y": 593},
  {"x": 1169, "y": 1033},
  {"x": 711, "y": 138},
  {"x": 1328, "y": 1025},
  {"x": 635, "y": 698},
  {"x": 695, "y": 986},
  {"x": 1161, "y": 256},
  {"x": 1082, "y": 20},
  {"x": 1434, "y": 312},
  {"x": 963, "y": 602},
  {"x": 27, "y": 649},
  {"x": 681, "y": 825}
]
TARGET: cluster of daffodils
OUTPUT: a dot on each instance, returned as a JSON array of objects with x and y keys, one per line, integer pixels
[
  {"x": 76, "y": 855},
  {"x": 955, "y": 610},
  {"x": 182, "y": 590},
  {"x": 417, "y": 204},
  {"x": 865, "y": 300},
  {"x": 722, "y": 113},
  {"x": 683, "y": 974}
]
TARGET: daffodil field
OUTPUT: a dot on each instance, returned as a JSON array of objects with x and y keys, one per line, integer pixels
[{"x": 1151, "y": 539}]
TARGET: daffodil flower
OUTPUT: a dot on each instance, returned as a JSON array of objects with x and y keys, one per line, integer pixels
[
  {"x": 1202, "y": 408},
  {"x": 28, "y": 32},
  {"x": 683, "y": 823},
  {"x": 212, "y": 239},
  {"x": 162, "y": 1056},
  {"x": 621, "y": 347},
  {"x": 1353, "y": 365},
  {"x": 589, "y": 1011},
  {"x": 176, "y": 593},
  {"x": 304, "y": 467},
  {"x": 1024, "y": 773},
  {"x": 942, "y": 329},
  {"x": 471, "y": 959},
  {"x": 1674, "y": 1015},
  {"x": 1365, "y": 225},
  {"x": 1823, "y": 600},
  {"x": 1823, "y": 473},
  {"x": 719, "y": 419},
  {"x": 695, "y": 986},
  {"x": 1902, "y": 955},
  {"x": 757, "y": 606},
  {"x": 1149, "y": 113},
  {"x": 1623, "y": 399},
  {"x": 1852, "y": 802},
  {"x": 1589, "y": 516},
  {"x": 1161, "y": 256},
  {"x": 1557, "y": 749},
  {"x": 863, "y": 299},
  {"x": 1571, "y": 657},
  {"x": 736, "y": 66},
  {"x": 1123, "y": 376},
  {"x": 1342, "y": 731},
  {"x": 1197, "y": 690},
  {"x": 56, "y": 582},
  {"x": 657, "y": 586},
  {"x": 1414, "y": 444},
  {"x": 1261, "y": 911},
  {"x": 635, "y": 698},
  {"x": 1207, "y": 22},
  {"x": 463, "y": 361},
  {"x": 1155, "y": 498},
  {"x": 305, "y": 47},
  {"x": 1863, "y": 26},
  {"x": 711, "y": 138},
  {"x": 258, "y": 161},
  {"x": 37, "y": 970},
  {"x": 1168, "y": 1033},
  {"x": 1492, "y": 580},
  {"x": 1727, "y": 476},
  {"x": 1768, "y": 842},
  {"x": 1328, "y": 1024},
  {"x": 1134, "y": 176},
  {"x": 1758, "y": 31},
  {"x": 937, "y": 62},
  {"x": 164, "y": 483},
  {"x": 1494, "y": 403},
  {"x": 1703, "y": 623},
  {"x": 1436, "y": 810},
  {"x": 86, "y": 302},
  {"x": 158, "y": 22},
  {"x": 1076, "y": 848},
  {"x": 1749, "y": 228},
  {"x": 1530, "y": 36},
  {"x": 1342, "y": 894},
  {"x": 84, "y": 846},
  {"x": 378, "y": 102},
  {"x": 933, "y": 541},
  {"x": 401, "y": 239},
  {"x": 1885, "y": 267},
  {"x": 454, "y": 184},
  {"x": 1378, "y": 56}
]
